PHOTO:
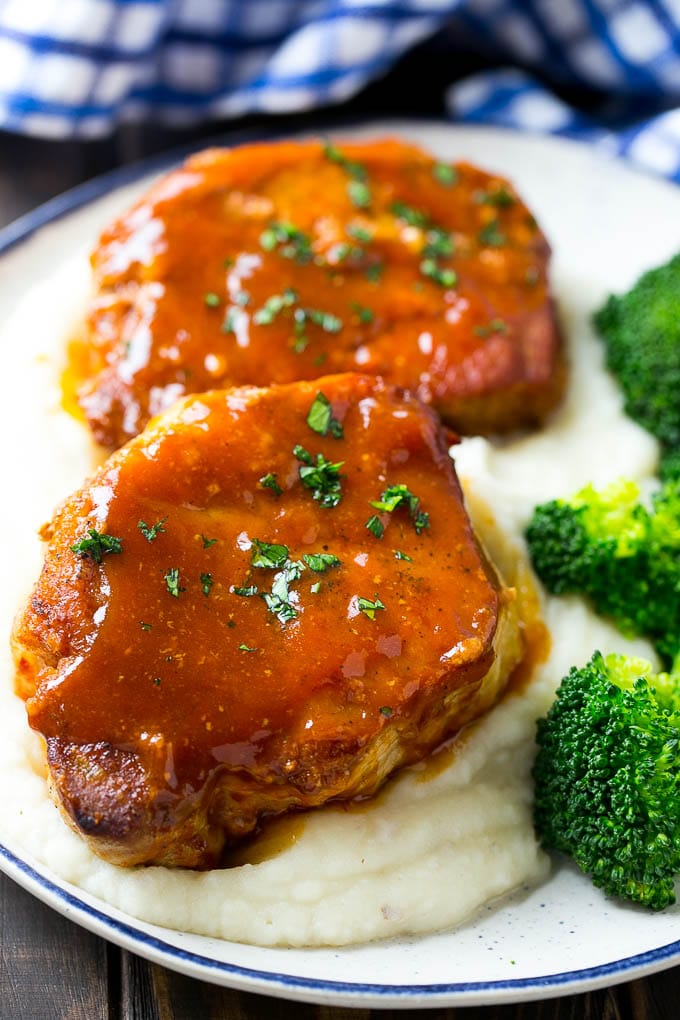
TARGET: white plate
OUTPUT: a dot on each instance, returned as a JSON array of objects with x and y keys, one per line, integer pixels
[{"x": 606, "y": 223}]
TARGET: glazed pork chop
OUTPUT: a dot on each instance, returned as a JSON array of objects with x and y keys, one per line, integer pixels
[
  {"x": 291, "y": 260},
  {"x": 269, "y": 600}
]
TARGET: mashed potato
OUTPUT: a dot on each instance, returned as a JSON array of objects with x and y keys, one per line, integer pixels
[{"x": 444, "y": 837}]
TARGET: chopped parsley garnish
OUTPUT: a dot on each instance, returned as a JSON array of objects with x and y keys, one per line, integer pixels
[
  {"x": 375, "y": 526},
  {"x": 385, "y": 710},
  {"x": 269, "y": 481},
  {"x": 363, "y": 313},
  {"x": 242, "y": 298},
  {"x": 153, "y": 531},
  {"x": 278, "y": 601},
  {"x": 395, "y": 496},
  {"x": 444, "y": 277},
  {"x": 246, "y": 648},
  {"x": 97, "y": 545},
  {"x": 374, "y": 272},
  {"x": 357, "y": 187},
  {"x": 268, "y": 555},
  {"x": 359, "y": 233},
  {"x": 329, "y": 323},
  {"x": 322, "y": 477},
  {"x": 247, "y": 591},
  {"x": 207, "y": 542},
  {"x": 439, "y": 244},
  {"x": 315, "y": 588},
  {"x": 206, "y": 583},
  {"x": 495, "y": 326},
  {"x": 491, "y": 235},
  {"x": 399, "y": 555},
  {"x": 172, "y": 582},
  {"x": 157, "y": 681},
  {"x": 411, "y": 216},
  {"x": 276, "y": 303},
  {"x": 291, "y": 243},
  {"x": 302, "y": 316},
  {"x": 343, "y": 251},
  {"x": 320, "y": 562},
  {"x": 501, "y": 198},
  {"x": 359, "y": 194},
  {"x": 230, "y": 319},
  {"x": 320, "y": 418},
  {"x": 445, "y": 174},
  {"x": 211, "y": 299},
  {"x": 145, "y": 626},
  {"x": 369, "y": 608}
]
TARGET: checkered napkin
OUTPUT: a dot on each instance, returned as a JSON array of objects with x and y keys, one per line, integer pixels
[{"x": 75, "y": 68}]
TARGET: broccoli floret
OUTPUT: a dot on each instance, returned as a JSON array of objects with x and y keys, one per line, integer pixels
[
  {"x": 622, "y": 555},
  {"x": 607, "y": 777},
  {"x": 641, "y": 333}
]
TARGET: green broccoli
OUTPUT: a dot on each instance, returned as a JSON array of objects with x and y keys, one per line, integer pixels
[
  {"x": 607, "y": 777},
  {"x": 641, "y": 333},
  {"x": 622, "y": 555}
]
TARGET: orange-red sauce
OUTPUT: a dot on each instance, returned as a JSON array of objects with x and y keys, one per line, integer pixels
[
  {"x": 191, "y": 671},
  {"x": 390, "y": 263}
]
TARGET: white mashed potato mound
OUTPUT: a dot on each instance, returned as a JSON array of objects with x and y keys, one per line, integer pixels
[{"x": 438, "y": 842}]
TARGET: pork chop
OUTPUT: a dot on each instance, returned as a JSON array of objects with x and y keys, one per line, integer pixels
[
  {"x": 291, "y": 260},
  {"x": 268, "y": 600}
]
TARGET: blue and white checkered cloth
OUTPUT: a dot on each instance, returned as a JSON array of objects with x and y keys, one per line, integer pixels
[{"x": 76, "y": 68}]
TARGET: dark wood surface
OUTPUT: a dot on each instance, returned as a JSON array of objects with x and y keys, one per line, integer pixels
[{"x": 50, "y": 969}]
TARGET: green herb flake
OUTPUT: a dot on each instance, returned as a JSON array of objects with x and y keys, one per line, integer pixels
[
  {"x": 157, "y": 681},
  {"x": 374, "y": 272},
  {"x": 273, "y": 306},
  {"x": 500, "y": 198},
  {"x": 359, "y": 194},
  {"x": 370, "y": 608},
  {"x": 399, "y": 555},
  {"x": 320, "y": 562},
  {"x": 96, "y": 545},
  {"x": 207, "y": 542},
  {"x": 385, "y": 710},
  {"x": 445, "y": 174},
  {"x": 495, "y": 326},
  {"x": 145, "y": 626},
  {"x": 395, "y": 496},
  {"x": 320, "y": 418},
  {"x": 246, "y": 648},
  {"x": 246, "y": 591},
  {"x": 229, "y": 321},
  {"x": 321, "y": 476},
  {"x": 430, "y": 268},
  {"x": 171, "y": 579},
  {"x": 268, "y": 555},
  {"x": 153, "y": 531},
  {"x": 315, "y": 588},
  {"x": 365, "y": 315},
  {"x": 491, "y": 236},
  {"x": 278, "y": 601},
  {"x": 438, "y": 244},
  {"x": 291, "y": 243},
  {"x": 359, "y": 233},
  {"x": 409, "y": 215},
  {"x": 375, "y": 526},
  {"x": 211, "y": 299},
  {"x": 269, "y": 481},
  {"x": 206, "y": 583}
]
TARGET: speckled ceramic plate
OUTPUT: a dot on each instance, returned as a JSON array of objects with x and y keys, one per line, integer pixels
[{"x": 604, "y": 221}]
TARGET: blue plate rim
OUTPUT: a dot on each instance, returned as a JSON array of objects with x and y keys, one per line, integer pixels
[{"x": 121, "y": 932}]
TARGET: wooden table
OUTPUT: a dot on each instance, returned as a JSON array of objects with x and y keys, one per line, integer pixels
[{"x": 50, "y": 968}]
